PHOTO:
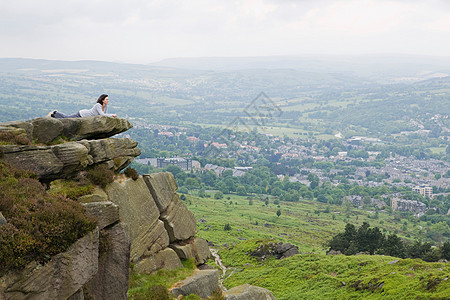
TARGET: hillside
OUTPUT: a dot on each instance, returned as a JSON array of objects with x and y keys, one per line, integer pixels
[{"x": 316, "y": 276}]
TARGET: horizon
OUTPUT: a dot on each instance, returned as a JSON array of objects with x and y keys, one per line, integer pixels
[{"x": 287, "y": 56}]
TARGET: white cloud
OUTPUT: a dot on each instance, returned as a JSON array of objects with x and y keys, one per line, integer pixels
[{"x": 142, "y": 31}]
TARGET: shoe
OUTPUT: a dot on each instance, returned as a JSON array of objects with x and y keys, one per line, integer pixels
[{"x": 50, "y": 114}]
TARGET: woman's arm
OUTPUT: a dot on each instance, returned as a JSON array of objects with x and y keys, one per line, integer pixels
[{"x": 99, "y": 111}]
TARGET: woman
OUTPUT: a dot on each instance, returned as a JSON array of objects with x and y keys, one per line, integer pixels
[{"x": 99, "y": 109}]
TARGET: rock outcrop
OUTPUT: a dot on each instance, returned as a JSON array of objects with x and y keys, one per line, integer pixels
[
  {"x": 47, "y": 130},
  {"x": 141, "y": 220},
  {"x": 247, "y": 291},
  {"x": 158, "y": 222},
  {"x": 78, "y": 145}
]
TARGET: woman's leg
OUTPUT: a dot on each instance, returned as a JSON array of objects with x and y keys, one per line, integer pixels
[{"x": 60, "y": 115}]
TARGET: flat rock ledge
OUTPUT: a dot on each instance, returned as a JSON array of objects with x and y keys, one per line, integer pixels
[
  {"x": 248, "y": 292},
  {"x": 47, "y": 130}
]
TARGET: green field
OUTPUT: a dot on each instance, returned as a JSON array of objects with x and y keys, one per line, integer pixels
[
  {"x": 307, "y": 224},
  {"x": 312, "y": 274}
]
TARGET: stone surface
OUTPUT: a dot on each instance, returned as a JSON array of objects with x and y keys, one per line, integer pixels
[
  {"x": 28, "y": 127},
  {"x": 46, "y": 130},
  {"x": 203, "y": 283},
  {"x": 3, "y": 221},
  {"x": 163, "y": 187},
  {"x": 98, "y": 127},
  {"x": 98, "y": 195},
  {"x": 66, "y": 160},
  {"x": 77, "y": 296},
  {"x": 164, "y": 259},
  {"x": 278, "y": 250},
  {"x": 196, "y": 249},
  {"x": 60, "y": 278},
  {"x": 106, "y": 213},
  {"x": 139, "y": 215},
  {"x": 201, "y": 249},
  {"x": 111, "y": 281},
  {"x": 179, "y": 221},
  {"x": 248, "y": 292},
  {"x": 118, "y": 152}
]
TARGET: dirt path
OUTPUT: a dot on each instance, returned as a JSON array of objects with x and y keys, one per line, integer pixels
[{"x": 224, "y": 269}]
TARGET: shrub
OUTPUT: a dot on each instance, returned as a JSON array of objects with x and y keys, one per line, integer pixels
[
  {"x": 39, "y": 224},
  {"x": 227, "y": 227},
  {"x": 10, "y": 138},
  {"x": 131, "y": 173},
  {"x": 100, "y": 175},
  {"x": 70, "y": 188}
]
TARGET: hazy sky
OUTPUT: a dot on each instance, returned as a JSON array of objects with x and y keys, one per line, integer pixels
[{"x": 142, "y": 31}]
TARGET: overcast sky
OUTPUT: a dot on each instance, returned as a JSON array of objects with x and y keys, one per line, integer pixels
[{"x": 143, "y": 31}]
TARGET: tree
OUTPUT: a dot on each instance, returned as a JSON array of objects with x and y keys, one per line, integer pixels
[
  {"x": 218, "y": 195},
  {"x": 241, "y": 190},
  {"x": 314, "y": 180},
  {"x": 393, "y": 246},
  {"x": 445, "y": 251},
  {"x": 279, "y": 213}
]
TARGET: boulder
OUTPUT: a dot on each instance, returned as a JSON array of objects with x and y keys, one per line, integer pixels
[
  {"x": 196, "y": 249},
  {"x": 111, "y": 280},
  {"x": 201, "y": 249},
  {"x": 106, "y": 213},
  {"x": 163, "y": 187},
  {"x": 164, "y": 259},
  {"x": 285, "y": 250},
  {"x": 278, "y": 250},
  {"x": 60, "y": 278},
  {"x": 139, "y": 215},
  {"x": 179, "y": 221},
  {"x": 203, "y": 283},
  {"x": 47, "y": 130},
  {"x": 248, "y": 292}
]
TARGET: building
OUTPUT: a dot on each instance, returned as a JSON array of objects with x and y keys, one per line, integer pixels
[
  {"x": 408, "y": 205},
  {"x": 183, "y": 163},
  {"x": 425, "y": 191}
]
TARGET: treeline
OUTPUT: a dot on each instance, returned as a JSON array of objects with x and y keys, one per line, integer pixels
[{"x": 372, "y": 241}]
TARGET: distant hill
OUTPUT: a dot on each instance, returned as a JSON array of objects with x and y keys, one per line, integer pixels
[{"x": 362, "y": 65}]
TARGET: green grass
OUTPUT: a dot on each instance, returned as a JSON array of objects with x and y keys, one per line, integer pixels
[
  {"x": 318, "y": 276},
  {"x": 306, "y": 224},
  {"x": 141, "y": 284}
]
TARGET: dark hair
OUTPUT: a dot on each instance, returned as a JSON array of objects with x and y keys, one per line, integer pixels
[{"x": 101, "y": 98}]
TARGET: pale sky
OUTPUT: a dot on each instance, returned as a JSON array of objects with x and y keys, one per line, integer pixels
[{"x": 143, "y": 31}]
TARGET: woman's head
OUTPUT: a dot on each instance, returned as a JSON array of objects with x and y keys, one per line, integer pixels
[{"x": 102, "y": 98}]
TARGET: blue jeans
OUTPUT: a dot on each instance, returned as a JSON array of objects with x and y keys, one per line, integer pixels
[{"x": 60, "y": 115}]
